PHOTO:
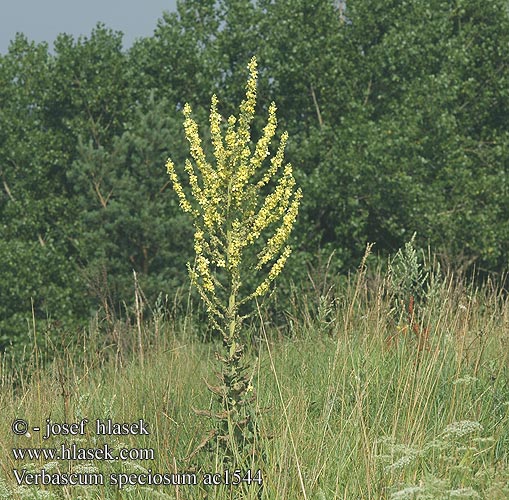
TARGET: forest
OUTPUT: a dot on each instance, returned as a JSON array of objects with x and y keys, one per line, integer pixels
[{"x": 397, "y": 121}]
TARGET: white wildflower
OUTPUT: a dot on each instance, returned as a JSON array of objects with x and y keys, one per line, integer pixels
[
  {"x": 407, "y": 493},
  {"x": 464, "y": 493},
  {"x": 462, "y": 428},
  {"x": 465, "y": 380}
]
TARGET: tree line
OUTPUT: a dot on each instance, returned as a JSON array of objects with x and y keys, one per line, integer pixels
[{"x": 397, "y": 120}]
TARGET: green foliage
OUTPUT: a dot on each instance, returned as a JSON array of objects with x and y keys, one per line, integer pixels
[
  {"x": 396, "y": 114},
  {"x": 407, "y": 274},
  {"x": 36, "y": 214},
  {"x": 431, "y": 157},
  {"x": 48, "y": 102},
  {"x": 90, "y": 95},
  {"x": 127, "y": 220}
]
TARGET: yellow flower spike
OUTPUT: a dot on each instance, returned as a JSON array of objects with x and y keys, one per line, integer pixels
[
  {"x": 203, "y": 271},
  {"x": 262, "y": 147},
  {"x": 196, "y": 150},
  {"x": 247, "y": 108},
  {"x": 282, "y": 233},
  {"x": 232, "y": 218},
  {"x": 217, "y": 139},
  {"x": 198, "y": 242},
  {"x": 275, "y": 163},
  {"x": 278, "y": 198},
  {"x": 275, "y": 270},
  {"x": 193, "y": 181},
  {"x": 184, "y": 204},
  {"x": 231, "y": 135}
]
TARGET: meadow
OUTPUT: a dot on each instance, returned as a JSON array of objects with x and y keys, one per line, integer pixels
[
  {"x": 356, "y": 398},
  {"x": 391, "y": 382}
]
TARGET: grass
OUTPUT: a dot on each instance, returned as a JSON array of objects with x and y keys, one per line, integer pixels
[{"x": 351, "y": 404}]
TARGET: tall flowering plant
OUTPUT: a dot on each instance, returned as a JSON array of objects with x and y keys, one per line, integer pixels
[{"x": 243, "y": 210}]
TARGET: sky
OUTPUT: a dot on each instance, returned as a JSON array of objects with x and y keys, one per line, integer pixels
[{"x": 43, "y": 20}]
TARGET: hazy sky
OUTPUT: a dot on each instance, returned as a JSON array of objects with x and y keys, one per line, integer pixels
[{"x": 43, "y": 20}]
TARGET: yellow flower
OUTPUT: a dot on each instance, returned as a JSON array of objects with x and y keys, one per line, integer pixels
[
  {"x": 230, "y": 212},
  {"x": 273, "y": 273}
]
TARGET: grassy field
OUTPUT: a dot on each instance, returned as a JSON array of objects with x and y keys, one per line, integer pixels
[{"x": 358, "y": 397}]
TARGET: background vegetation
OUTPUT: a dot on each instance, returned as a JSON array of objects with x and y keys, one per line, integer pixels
[{"x": 397, "y": 115}]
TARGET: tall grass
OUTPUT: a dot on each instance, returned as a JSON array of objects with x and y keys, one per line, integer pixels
[{"x": 352, "y": 405}]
